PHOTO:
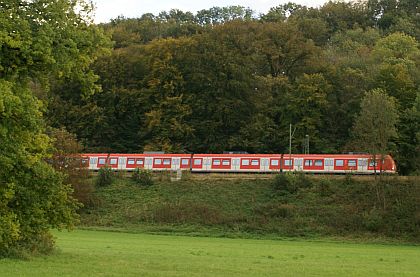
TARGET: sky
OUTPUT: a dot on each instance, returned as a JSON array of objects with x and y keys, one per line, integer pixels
[{"x": 108, "y": 9}]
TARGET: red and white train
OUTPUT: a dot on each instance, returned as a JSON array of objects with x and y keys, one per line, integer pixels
[{"x": 245, "y": 163}]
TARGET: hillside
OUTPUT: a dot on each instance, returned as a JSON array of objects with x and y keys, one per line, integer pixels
[{"x": 261, "y": 207}]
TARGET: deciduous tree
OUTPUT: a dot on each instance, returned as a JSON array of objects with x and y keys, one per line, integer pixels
[
  {"x": 375, "y": 125},
  {"x": 40, "y": 41}
]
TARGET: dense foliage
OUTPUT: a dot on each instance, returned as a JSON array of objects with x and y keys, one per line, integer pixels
[
  {"x": 225, "y": 79},
  {"x": 41, "y": 43}
]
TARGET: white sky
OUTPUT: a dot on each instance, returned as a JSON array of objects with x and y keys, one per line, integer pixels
[{"x": 108, "y": 9}]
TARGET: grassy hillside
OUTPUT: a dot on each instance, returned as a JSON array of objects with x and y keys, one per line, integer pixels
[
  {"x": 92, "y": 253},
  {"x": 253, "y": 206}
]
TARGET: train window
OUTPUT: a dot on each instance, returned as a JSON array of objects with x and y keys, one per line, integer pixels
[
  {"x": 185, "y": 161},
  {"x": 339, "y": 162},
  {"x": 139, "y": 161},
  {"x": 197, "y": 161},
  {"x": 308, "y": 162},
  {"x": 166, "y": 161},
  {"x": 216, "y": 162},
  {"x": 319, "y": 162},
  {"x": 130, "y": 161},
  {"x": 226, "y": 162},
  {"x": 93, "y": 160},
  {"x": 245, "y": 162},
  {"x": 113, "y": 161},
  {"x": 102, "y": 161},
  {"x": 255, "y": 162},
  {"x": 329, "y": 162},
  {"x": 372, "y": 163},
  {"x": 351, "y": 163},
  {"x": 158, "y": 161},
  {"x": 287, "y": 162},
  {"x": 274, "y": 162}
]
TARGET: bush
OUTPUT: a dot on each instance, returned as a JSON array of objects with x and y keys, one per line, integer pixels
[
  {"x": 324, "y": 187},
  {"x": 348, "y": 180},
  {"x": 291, "y": 182},
  {"x": 39, "y": 244},
  {"x": 373, "y": 220},
  {"x": 285, "y": 183},
  {"x": 105, "y": 177},
  {"x": 142, "y": 177}
]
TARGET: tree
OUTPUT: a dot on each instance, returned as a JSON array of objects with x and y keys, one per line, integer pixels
[
  {"x": 40, "y": 41},
  {"x": 374, "y": 127},
  {"x": 220, "y": 15},
  {"x": 408, "y": 153},
  {"x": 307, "y": 104},
  {"x": 68, "y": 160},
  {"x": 396, "y": 67},
  {"x": 166, "y": 126}
]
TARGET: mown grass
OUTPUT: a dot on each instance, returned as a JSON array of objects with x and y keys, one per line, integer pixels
[
  {"x": 95, "y": 253},
  {"x": 309, "y": 207}
]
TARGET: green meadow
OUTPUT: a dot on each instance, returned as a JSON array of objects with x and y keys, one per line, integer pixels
[{"x": 99, "y": 253}]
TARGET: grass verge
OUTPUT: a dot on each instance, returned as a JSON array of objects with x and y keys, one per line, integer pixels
[{"x": 96, "y": 253}]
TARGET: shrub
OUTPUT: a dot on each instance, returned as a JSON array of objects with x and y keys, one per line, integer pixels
[
  {"x": 142, "y": 177},
  {"x": 373, "y": 220},
  {"x": 301, "y": 180},
  {"x": 323, "y": 187},
  {"x": 105, "y": 177},
  {"x": 285, "y": 183},
  {"x": 291, "y": 182},
  {"x": 348, "y": 180}
]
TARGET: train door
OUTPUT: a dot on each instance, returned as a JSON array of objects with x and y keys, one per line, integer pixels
[
  {"x": 148, "y": 163},
  {"x": 175, "y": 163},
  {"x": 236, "y": 164},
  {"x": 93, "y": 162},
  {"x": 207, "y": 164},
  {"x": 298, "y": 164},
  {"x": 329, "y": 165},
  {"x": 265, "y": 163},
  {"x": 362, "y": 165},
  {"x": 122, "y": 161}
]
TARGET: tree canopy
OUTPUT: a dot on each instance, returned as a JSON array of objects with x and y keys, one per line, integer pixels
[
  {"x": 229, "y": 79},
  {"x": 41, "y": 44}
]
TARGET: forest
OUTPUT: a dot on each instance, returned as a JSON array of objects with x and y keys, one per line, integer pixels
[
  {"x": 226, "y": 79},
  {"x": 344, "y": 75}
]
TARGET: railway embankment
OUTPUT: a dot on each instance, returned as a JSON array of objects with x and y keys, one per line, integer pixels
[{"x": 365, "y": 208}]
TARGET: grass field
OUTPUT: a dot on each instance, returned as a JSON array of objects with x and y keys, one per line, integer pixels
[{"x": 96, "y": 253}]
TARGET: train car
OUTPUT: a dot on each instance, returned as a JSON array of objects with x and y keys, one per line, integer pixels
[
  {"x": 129, "y": 162},
  {"x": 341, "y": 163},
  {"x": 98, "y": 160},
  {"x": 252, "y": 163},
  {"x": 162, "y": 162}
]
